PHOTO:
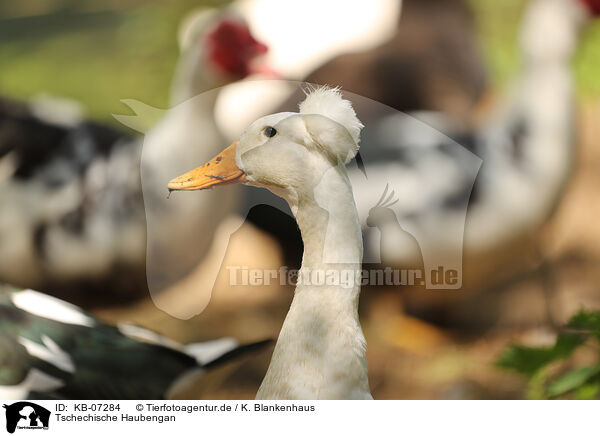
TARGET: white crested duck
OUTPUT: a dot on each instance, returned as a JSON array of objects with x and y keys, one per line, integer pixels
[{"x": 301, "y": 157}]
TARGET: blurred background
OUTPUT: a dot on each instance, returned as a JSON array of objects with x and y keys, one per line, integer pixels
[
  {"x": 421, "y": 344},
  {"x": 99, "y": 53}
]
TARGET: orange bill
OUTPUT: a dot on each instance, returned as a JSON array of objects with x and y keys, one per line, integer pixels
[{"x": 221, "y": 170}]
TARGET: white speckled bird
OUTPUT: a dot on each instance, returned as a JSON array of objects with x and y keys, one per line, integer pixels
[
  {"x": 522, "y": 153},
  {"x": 71, "y": 210}
]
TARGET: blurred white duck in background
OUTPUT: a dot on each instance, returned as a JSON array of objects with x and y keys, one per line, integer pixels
[
  {"x": 337, "y": 27},
  {"x": 188, "y": 133},
  {"x": 71, "y": 210},
  {"x": 320, "y": 353},
  {"x": 407, "y": 54},
  {"x": 525, "y": 149}
]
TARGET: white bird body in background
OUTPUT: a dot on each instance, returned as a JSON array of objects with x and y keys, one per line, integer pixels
[
  {"x": 337, "y": 27},
  {"x": 521, "y": 155},
  {"x": 301, "y": 157}
]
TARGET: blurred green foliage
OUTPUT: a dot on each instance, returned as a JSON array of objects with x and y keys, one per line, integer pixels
[
  {"x": 94, "y": 52},
  {"x": 498, "y": 24},
  {"x": 98, "y": 52},
  {"x": 536, "y": 363}
]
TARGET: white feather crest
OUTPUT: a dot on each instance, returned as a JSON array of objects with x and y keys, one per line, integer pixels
[{"x": 329, "y": 102}]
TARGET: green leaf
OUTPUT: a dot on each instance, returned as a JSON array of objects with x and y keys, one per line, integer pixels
[
  {"x": 529, "y": 360},
  {"x": 589, "y": 391},
  {"x": 536, "y": 388},
  {"x": 573, "y": 380},
  {"x": 586, "y": 321}
]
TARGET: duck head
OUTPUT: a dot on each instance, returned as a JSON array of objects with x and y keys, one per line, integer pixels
[{"x": 288, "y": 152}]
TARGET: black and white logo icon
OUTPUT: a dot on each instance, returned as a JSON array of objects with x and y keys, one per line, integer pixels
[{"x": 26, "y": 415}]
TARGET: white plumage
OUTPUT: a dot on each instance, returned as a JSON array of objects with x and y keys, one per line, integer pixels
[
  {"x": 49, "y": 307},
  {"x": 329, "y": 103},
  {"x": 320, "y": 353}
]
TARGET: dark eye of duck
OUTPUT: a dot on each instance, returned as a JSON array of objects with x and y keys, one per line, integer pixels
[{"x": 269, "y": 131}]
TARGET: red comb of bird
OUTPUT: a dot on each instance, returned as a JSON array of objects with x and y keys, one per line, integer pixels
[
  {"x": 232, "y": 47},
  {"x": 592, "y": 5}
]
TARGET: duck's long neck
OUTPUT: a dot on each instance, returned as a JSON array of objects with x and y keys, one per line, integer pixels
[
  {"x": 320, "y": 352},
  {"x": 549, "y": 37},
  {"x": 188, "y": 132},
  {"x": 191, "y": 77}
]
